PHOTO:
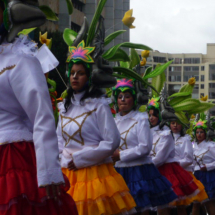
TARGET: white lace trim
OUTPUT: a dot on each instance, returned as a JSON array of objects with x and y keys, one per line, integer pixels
[{"x": 10, "y": 136}]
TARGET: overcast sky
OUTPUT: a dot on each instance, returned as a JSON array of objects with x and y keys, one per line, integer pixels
[{"x": 174, "y": 26}]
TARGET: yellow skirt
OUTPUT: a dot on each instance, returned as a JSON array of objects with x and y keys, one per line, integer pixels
[
  {"x": 200, "y": 197},
  {"x": 99, "y": 190}
]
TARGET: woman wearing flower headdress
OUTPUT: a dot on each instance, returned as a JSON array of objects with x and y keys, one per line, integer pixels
[
  {"x": 31, "y": 180},
  {"x": 184, "y": 154},
  {"x": 148, "y": 187},
  {"x": 204, "y": 170},
  {"x": 88, "y": 136},
  {"x": 163, "y": 149}
]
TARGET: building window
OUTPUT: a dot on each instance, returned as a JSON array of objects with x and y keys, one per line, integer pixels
[
  {"x": 202, "y": 86},
  {"x": 174, "y": 78},
  {"x": 191, "y": 60},
  {"x": 176, "y": 60},
  {"x": 212, "y": 72},
  {"x": 196, "y": 87},
  {"x": 202, "y": 94},
  {"x": 202, "y": 78},
  {"x": 187, "y": 77},
  {"x": 175, "y": 68},
  {"x": 211, "y": 95},
  {"x": 211, "y": 85},
  {"x": 77, "y": 5},
  {"x": 191, "y": 68},
  {"x": 202, "y": 68},
  {"x": 173, "y": 88},
  {"x": 159, "y": 59}
]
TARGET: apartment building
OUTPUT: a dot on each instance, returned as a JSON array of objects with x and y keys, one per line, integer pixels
[{"x": 185, "y": 66}]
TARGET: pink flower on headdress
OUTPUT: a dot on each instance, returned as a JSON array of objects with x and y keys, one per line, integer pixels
[
  {"x": 200, "y": 123},
  {"x": 124, "y": 83},
  {"x": 154, "y": 102}
]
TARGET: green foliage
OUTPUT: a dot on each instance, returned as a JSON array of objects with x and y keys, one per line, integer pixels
[
  {"x": 92, "y": 29},
  {"x": 120, "y": 55},
  {"x": 26, "y": 31},
  {"x": 69, "y": 36},
  {"x": 148, "y": 70},
  {"x": 50, "y": 15},
  {"x": 69, "y": 6},
  {"x": 135, "y": 59},
  {"x": 180, "y": 94},
  {"x": 142, "y": 108},
  {"x": 112, "y": 36}
]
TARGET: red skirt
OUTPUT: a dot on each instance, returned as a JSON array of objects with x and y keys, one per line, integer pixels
[
  {"x": 182, "y": 182},
  {"x": 19, "y": 190}
]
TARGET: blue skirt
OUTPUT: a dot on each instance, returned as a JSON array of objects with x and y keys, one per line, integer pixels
[
  {"x": 147, "y": 186},
  {"x": 208, "y": 180}
]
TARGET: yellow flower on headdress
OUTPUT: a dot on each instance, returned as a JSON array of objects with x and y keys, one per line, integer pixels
[
  {"x": 192, "y": 81},
  {"x": 204, "y": 98},
  {"x": 44, "y": 40},
  {"x": 192, "y": 116},
  {"x": 143, "y": 62},
  {"x": 128, "y": 19},
  {"x": 145, "y": 54}
]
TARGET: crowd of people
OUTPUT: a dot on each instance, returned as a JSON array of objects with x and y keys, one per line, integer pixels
[{"x": 94, "y": 163}]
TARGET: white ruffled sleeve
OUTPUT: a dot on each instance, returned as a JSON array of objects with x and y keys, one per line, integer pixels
[
  {"x": 144, "y": 136},
  {"x": 211, "y": 166},
  {"x": 30, "y": 88},
  {"x": 166, "y": 148},
  {"x": 187, "y": 150},
  {"x": 110, "y": 140}
]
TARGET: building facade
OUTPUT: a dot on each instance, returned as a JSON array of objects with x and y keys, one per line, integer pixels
[
  {"x": 113, "y": 13},
  {"x": 185, "y": 66}
]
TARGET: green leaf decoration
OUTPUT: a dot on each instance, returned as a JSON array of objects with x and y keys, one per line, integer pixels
[
  {"x": 26, "y": 31},
  {"x": 49, "y": 13},
  {"x": 142, "y": 108},
  {"x": 92, "y": 29},
  {"x": 69, "y": 36},
  {"x": 112, "y": 36},
  {"x": 158, "y": 70},
  {"x": 180, "y": 94},
  {"x": 120, "y": 55},
  {"x": 178, "y": 100},
  {"x": 135, "y": 59},
  {"x": 158, "y": 83},
  {"x": 182, "y": 117},
  {"x": 124, "y": 64},
  {"x": 201, "y": 108},
  {"x": 147, "y": 71},
  {"x": 110, "y": 52},
  {"x": 203, "y": 116},
  {"x": 187, "y": 88},
  {"x": 187, "y": 105},
  {"x": 64, "y": 94},
  {"x": 53, "y": 85},
  {"x": 108, "y": 92},
  {"x": 69, "y": 6}
]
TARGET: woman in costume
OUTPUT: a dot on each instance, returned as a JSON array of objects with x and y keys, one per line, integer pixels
[
  {"x": 88, "y": 136},
  {"x": 28, "y": 140},
  {"x": 163, "y": 149},
  {"x": 184, "y": 154},
  {"x": 204, "y": 170},
  {"x": 148, "y": 187}
]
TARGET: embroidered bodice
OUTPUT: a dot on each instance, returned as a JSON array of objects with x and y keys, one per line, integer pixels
[
  {"x": 86, "y": 132},
  {"x": 204, "y": 155},
  {"x": 184, "y": 151},
  {"x": 136, "y": 139},
  {"x": 163, "y": 147}
]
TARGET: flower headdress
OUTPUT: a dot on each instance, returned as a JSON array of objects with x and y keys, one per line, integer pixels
[
  {"x": 200, "y": 124},
  {"x": 153, "y": 103}
]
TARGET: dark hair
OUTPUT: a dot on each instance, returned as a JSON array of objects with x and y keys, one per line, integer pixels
[
  {"x": 94, "y": 93},
  {"x": 156, "y": 113}
]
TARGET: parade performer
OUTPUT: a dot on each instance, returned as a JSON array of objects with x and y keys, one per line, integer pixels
[
  {"x": 204, "y": 154},
  {"x": 28, "y": 140},
  {"x": 148, "y": 187},
  {"x": 184, "y": 154},
  {"x": 87, "y": 133},
  {"x": 163, "y": 149}
]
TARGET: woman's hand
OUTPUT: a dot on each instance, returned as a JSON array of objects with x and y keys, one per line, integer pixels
[
  {"x": 53, "y": 190},
  {"x": 71, "y": 166},
  {"x": 115, "y": 156},
  {"x": 203, "y": 168}
]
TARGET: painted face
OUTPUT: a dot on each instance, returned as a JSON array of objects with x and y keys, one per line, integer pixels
[
  {"x": 200, "y": 135},
  {"x": 125, "y": 102},
  {"x": 153, "y": 119},
  {"x": 78, "y": 77},
  {"x": 175, "y": 127}
]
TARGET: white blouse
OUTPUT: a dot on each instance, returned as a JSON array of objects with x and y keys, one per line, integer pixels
[
  {"x": 136, "y": 139},
  {"x": 87, "y": 133},
  {"x": 163, "y": 148},
  {"x": 184, "y": 151},
  {"x": 204, "y": 154},
  {"x": 26, "y": 112}
]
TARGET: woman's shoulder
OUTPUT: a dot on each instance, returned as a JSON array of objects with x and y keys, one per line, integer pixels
[
  {"x": 165, "y": 131},
  {"x": 140, "y": 116},
  {"x": 101, "y": 101}
]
